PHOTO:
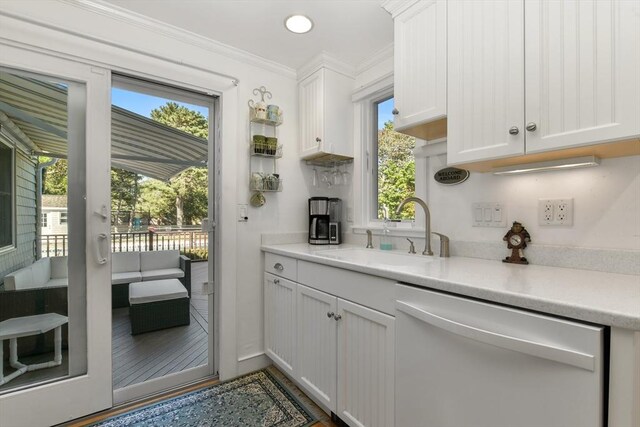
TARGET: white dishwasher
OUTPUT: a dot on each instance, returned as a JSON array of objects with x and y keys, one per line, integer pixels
[{"x": 465, "y": 363}]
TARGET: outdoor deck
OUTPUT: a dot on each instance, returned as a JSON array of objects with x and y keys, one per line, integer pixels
[
  {"x": 142, "y": 357},
  {"x": 153, "y": 354}
]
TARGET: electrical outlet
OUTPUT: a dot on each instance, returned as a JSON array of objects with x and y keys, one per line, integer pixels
[{"x": 555, "y": 212}]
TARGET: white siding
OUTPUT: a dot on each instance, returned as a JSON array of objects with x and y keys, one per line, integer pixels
[{"x": 23, "y": 255}]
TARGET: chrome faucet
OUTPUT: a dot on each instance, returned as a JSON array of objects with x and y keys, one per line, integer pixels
[
  {"x": 427, "y": 221},
  {"x": 369, "y": 242}
]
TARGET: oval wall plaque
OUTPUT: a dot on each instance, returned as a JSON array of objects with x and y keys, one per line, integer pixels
[{"x": 451, "y": 176}]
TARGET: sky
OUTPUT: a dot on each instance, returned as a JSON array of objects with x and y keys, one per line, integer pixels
[
  {"x": 384, "y": 112},
  {"x": 142, "y": 104}
]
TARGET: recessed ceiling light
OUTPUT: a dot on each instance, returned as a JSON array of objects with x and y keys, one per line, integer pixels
[{"x": 298, "y": 24}]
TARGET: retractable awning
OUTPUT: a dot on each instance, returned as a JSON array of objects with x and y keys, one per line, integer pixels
[{"x": 138, "y": 144}]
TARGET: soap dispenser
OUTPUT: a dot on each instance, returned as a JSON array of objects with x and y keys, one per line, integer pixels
[{"x": 385, "y": 239}]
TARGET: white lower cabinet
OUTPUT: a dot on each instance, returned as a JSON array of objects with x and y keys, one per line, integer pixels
[
  {"x": 365, "y": 366},
  {"x": 280, "y": 322},
  {"x": 317, "y": 331},
  {"x": 340, "y": 353}
]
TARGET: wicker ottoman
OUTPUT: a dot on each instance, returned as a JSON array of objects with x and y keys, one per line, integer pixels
[{"x": 158, "y": 304}]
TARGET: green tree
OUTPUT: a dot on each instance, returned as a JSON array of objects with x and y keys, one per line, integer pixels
[
  {"x": 179, "y": 117},
  {"x": 55, "y": 177},
  {"x": 187, "y": 191},
  {"x": 396, "y": 172},
  {"x": 124, "y": 195}
]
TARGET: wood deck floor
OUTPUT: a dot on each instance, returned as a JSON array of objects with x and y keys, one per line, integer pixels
[
  {"x": 146, "y": 356},
  {"x": 138, "y": 358}
]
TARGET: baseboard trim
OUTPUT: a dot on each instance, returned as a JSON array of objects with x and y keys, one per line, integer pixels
[{"x": 253, "y": 362}]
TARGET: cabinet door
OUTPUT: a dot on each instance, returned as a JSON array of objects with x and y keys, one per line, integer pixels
[
  {"x": 316, "y": 367},
  {"x": 365, "y": 366},
  {"x": 280, "y": 321},
  {"x": 485, "y": 80},
  {"x": 420, "y": 63},
  {"x": 311, "y": 102},
  {"x": 582, "y": 68}
]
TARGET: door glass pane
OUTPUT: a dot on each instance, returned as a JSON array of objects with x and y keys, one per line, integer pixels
[
  {"x": 42, "y": 258},
  {"x": 159, "y": 196}
]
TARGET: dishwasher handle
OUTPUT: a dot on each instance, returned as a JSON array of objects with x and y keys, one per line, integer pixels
[{"x": 568, "y": 357}]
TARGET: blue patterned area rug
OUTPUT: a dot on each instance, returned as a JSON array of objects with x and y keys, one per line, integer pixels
[{"x": 256, "y": 399}]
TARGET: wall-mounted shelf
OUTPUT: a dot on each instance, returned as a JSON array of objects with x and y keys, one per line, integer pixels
[{"x": 264, "y": 150}]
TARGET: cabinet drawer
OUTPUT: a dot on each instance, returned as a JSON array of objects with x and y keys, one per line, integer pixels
[{"x": 281, "y": 266}]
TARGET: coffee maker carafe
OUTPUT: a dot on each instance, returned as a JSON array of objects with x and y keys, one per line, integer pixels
[
  {"x": 335, "y": 218},
  {"x": 319, "y": 220}
]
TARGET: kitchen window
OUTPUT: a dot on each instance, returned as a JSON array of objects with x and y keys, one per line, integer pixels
[
  {"x": 394, "y": 166},
  {"x": 7, "y": 196}
]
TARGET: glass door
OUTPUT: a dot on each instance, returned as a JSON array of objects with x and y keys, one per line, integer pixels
[
  {"x": 54, "y": 327},
  {"x": 162, "y": 242}
]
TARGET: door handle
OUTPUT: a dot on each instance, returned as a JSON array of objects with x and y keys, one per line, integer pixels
[
  {"x": 100, "y": 259},
  {"x": 545, "y": 351}
]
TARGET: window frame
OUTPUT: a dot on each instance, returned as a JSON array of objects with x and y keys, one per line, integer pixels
[
  {"x": 64, "y": 218},
  {"x": 44, "y": 220},
  {"x": 13, "y": 245}
]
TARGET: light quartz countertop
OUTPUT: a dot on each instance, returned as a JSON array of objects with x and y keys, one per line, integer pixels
[{"x": 592, "y": 296}]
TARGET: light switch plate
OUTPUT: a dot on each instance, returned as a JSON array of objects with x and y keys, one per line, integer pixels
[
  {"x": 488, "y": 214},
  {"x": 242, "y": 212}
]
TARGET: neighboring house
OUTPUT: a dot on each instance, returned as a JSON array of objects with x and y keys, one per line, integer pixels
[{"x": 53, "y": 219}]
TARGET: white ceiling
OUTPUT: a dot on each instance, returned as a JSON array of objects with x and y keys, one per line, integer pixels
[{"x": 351, "y": 31}]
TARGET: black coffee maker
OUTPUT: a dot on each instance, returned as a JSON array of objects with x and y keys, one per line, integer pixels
[{"x": 324, "y": 221}]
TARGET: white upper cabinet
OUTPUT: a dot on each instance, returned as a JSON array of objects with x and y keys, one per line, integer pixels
[
  {"x": 326, "y": 114},
  {"x": 420, "y": 63},
  {"x": 486, "y": 80},
  {"x": 541, "y": 75},
  {"x": 582, "y": 72}
]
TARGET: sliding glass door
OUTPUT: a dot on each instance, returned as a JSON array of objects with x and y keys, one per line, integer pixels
[
  {"x": 54, "y": 195},
  {"x": 162, "y": 241}
]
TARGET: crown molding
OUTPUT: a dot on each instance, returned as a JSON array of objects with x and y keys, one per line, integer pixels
[
  {"x": 324, "y": 60},
  {"x": 396, "y": 7},
  {"x": 117, "y": 13},
  {"x": 378, "y": 57}
]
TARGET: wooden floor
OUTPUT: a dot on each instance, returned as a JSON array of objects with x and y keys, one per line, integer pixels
[
  {"x": 138, "y": 358},
  {"x": 145, "y": 356}
]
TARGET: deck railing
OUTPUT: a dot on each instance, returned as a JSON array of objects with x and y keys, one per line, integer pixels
[{"x": 186, "y": 241}]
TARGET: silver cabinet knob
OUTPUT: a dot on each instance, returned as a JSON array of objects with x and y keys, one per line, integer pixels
[
  {"x": 278, "y": 266},
  {"x": 318, "y": 139},
  {"x": 330, "y": 314},
  {"x": 514, "y": 130},
  {"x": 531, "y": 126},
  {"x": 337, "y": 317},
  {"x": 276, "y": 281},
  {"x": 395, "y": 112}
]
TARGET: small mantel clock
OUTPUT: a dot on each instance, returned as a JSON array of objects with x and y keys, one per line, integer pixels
[{"x": 517, "y": 238}]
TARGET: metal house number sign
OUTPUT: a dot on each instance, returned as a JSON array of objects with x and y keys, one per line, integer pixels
[{"x": 451, "y": 176}]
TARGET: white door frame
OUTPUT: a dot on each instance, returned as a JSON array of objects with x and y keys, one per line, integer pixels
[{"x": 70, "y": 398}]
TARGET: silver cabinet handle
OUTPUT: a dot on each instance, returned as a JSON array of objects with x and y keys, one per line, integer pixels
[
  {"x": 531, "y": 126},
  {"x": 337, "y": 317},
  {"x": 278, "y": 266},
  {"x": 276, "y": 281},
  {"x": 330, "y": 314},
  {"x": 318, "y": 139},
  {"x": 514, "y": 130},
  {"x": 395, "y": 112}
]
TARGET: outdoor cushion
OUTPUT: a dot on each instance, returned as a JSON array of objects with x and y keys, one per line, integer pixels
[
  {"x": 125, "y": 277},
  {"x": 20, "y": 279},
  {"x": 122, "y": 262},
  {"x": 156, "y": 290},
  {"x": 165, "y": 273},
  {"x": 59, "y": 268},
  {"x": 57, "y": 282},
  {"x": 159, "y": 260},
  {"x": 41, "y": 272}
]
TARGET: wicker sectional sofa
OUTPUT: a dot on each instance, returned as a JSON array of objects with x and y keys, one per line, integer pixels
[{"x": 129, "y": 267}]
